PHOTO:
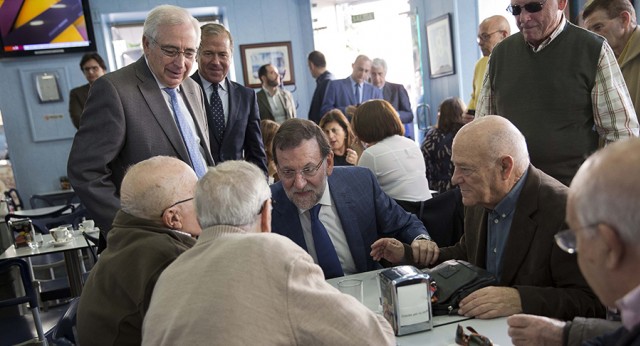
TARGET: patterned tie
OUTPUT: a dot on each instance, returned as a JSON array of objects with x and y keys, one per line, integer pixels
[
  {"x": 187, "y": 135},
  {"x": 217, "y": 110},
  {"x": 358, "y": 98},
  {"x": 325, "y": 251}
]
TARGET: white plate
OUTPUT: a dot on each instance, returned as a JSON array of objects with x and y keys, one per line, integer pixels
[{"x": 60, "y": 243}]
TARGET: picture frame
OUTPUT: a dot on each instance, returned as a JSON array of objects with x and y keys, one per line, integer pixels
[
  {"x": 255, "y": 55},
  {"x": 440, "y": 47}
]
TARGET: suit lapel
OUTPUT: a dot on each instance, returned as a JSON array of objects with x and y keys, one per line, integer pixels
[
  {"x": 284, "y": 222},
  {"x": 155, "y": 101},
  {"x": 522, "y": 230},
  {"x": 263, "y": 104},
  {"x": 348, "y": 90},
  {"x": 191, "y": 99}
]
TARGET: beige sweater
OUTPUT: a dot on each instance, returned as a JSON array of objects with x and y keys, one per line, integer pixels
[{"x": 236, "y": 288}]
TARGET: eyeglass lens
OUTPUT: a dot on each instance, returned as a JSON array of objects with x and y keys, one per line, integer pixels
[{"x": 531, "y": 7}]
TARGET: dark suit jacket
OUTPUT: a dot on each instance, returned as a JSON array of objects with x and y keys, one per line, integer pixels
[
  {"x": 397, "y": 95},
  {"x": 547, "y": 278},
  {"x": 242, "y": 139},
  {"x": 77, "y": 98},
  {"x": 265, "y": 107},
  {"x": 318, "y": 95},
  {"x": 340, "y": 95},
  {"x": 126, "y": 120},
  {"x": 365, "y": 211}
]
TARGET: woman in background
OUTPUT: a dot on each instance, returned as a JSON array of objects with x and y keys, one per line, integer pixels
[
  {"x": 436, "y": 147},
  {"x": 269, "y": 129},
  {"x": 344, "y": 144},
  {"x": 395, "y": 160}
]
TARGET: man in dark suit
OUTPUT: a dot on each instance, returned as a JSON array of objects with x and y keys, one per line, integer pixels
[
  {"x": 318, "y": 69},
  {"x": 93, "y": 67},
  {"x": 346, "y": 94},
  {"x": 513, "y": 211},
  {"x": 146, "y": 109},
  {"x": 393, "y": 93},
  {"x": 353, "y": 212},
  {"x": 232, "y": 113}
]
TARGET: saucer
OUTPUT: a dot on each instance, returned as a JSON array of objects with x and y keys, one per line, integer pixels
[{"x": 61, "y": 243}]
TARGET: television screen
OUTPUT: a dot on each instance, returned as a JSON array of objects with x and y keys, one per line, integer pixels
[{"x": 39, "y": 27}]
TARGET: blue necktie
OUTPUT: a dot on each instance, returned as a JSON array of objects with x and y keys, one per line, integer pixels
[
  {"x": 187, "y": 135},
  {"x": 217, "y": 110},
  {"x": 358, "y": 98},
  {"x": 325, "y": 251}
]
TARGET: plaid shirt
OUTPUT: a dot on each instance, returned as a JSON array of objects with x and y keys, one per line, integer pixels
[{"x": 613, "y": 112}]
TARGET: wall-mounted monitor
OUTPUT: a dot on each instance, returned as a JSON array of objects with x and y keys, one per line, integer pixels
[{"x": 45, "y": 27}]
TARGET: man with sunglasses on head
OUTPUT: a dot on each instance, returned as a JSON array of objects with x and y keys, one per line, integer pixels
[
  {"x": 491, "y": 31},
  {"x": 336, "y": 213},
  {"x": 146, "y": 109},
  {"x": 604, "y": 234},
  {"x": 560, "y": 85},
  {"x": 156, "y": 223}
]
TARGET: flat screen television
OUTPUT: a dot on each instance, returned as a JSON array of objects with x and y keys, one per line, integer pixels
[{"x": 42, "y": 27}]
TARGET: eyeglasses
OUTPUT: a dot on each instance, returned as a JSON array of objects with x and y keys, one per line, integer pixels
[
  {"x": 174, "y": 204},
  {"x": 566, "y": 239},
  {"x": 531, "y": 7},
  {"x": 473, "y": 339},
  {"x": 307, "y": 172},
  {"x": 486, "y": 37},
  {"x": 173, "y": 52},
  {"x": 90, "y": 69}
]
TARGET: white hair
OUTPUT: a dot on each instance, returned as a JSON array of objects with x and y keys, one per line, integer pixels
[
  {"x": 231, "y": 193},
  {"x": 169, "y": 15}
]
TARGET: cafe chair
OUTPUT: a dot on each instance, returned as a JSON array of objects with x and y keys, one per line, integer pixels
[
  {"x": 13, "y": 198},
  {"x": 92, "y": 242},
  {"x": 64, "y": 333},
  {"x": 42, "y": 219},
  {"x": 30, "y": 296},
  {"x": 51, "y": 200}
]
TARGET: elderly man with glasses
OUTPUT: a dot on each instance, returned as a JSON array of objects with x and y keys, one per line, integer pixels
[
  {"x": 604, "y": 234},
  {"x": 146, "y": 109},
  {"x": 560, "y": 85},
  {"x": 156, "y": 223},
  {"x": 335, "y": 213}
]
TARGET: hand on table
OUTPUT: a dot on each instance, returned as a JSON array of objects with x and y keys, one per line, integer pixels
[
  {"x": 535, "y": 330},
  {"x": 352, "y": 157},
  {"x": 491, "y": 302},
  {"x": 388, "y": 248},
  {"x": 425, "y": 252}
]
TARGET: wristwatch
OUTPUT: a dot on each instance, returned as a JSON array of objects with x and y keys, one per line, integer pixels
[{"x": 423, "y": 237}]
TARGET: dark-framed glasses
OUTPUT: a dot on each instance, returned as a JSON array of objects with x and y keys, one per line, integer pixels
[
  {"x": 486, "y": 36},
  {"x": 173, "y": 52},
  {"x": 473, "y": 339},
  {"x": 566, "y": 240},
  {"x": 176, "y": 203},
  {"x": 307, "y": 172},
  {"x": 531, "y": 7}
]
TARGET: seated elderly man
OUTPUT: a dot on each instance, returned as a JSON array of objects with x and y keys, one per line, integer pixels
[
  {"x": 242, "y": 285},
  {"x": 335, "y": 213},
  {"x": 512, "y": 212},
  {"x": 156, "y": 223},
  {"x": 602, "y": 211}
]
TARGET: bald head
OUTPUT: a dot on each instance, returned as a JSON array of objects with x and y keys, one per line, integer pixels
[
  {"x": 152, "y": 185},
  {"x": 490, "y": 155},
  {"x": 361, "y": 69},
  {"x": 606, "y": 189},
  {"x": 491, "y": 31}
]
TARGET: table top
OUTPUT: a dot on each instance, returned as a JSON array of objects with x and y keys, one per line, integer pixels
[
  {"x": 444, "y": 330},
  {"x": 77, "y": 242},
  {"x": 40, "y": 211}
]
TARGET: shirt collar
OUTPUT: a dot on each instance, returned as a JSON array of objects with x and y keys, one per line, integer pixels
[
  {"x": 628, "y": 306},
  {"x": 353, "y": 82},
  {"x": 206, "y": 85},
  {"x": 554, "y": 34},
  {"x": 508, "y": 204},
  {"x": 160, "y": 85}
]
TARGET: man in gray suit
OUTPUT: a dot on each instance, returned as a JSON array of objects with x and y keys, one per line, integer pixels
[
  {"x": 275, "y": 103},
  {"x": 146, "y": 109}
]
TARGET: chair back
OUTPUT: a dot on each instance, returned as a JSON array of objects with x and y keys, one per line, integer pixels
[
  {"x": 46, "y": 223},
  {"x": 13, "y": 197},
  {"x": 64, "y": 332},
  {"x": 44, "y": 218},
  {"x": 52, "y": 199}
]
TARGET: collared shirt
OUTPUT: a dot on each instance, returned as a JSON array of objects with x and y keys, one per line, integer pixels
[
  {"x": 613, "y": 112},
  {"x": 184, "y": 109},
  {"x": 353, "y": 89},
  {"x": 276, "y": 104},
  {"x": 629, "y": 306},
  {"x": 331, "y": 221},
  {"x": 498, "y": 226},
  {"x": 223, "y": 92}
]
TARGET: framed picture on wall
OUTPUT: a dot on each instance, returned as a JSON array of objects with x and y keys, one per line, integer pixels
[
  {"x": 255, "y": 55},
  {"x": 440, "y": 47}
]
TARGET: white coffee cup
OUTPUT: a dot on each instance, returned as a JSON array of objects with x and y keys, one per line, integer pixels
[
  {"x": 88, "y": 225},
  {"x": 60, "y": 234}
]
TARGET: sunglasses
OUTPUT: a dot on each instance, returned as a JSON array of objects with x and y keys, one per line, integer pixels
[
  {"x": 531, "y": 7},
  {"x": 473, "y": 339}
]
